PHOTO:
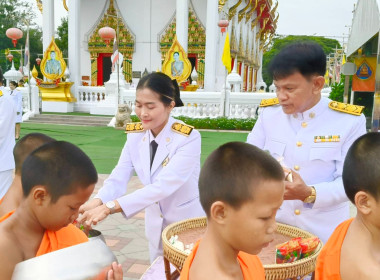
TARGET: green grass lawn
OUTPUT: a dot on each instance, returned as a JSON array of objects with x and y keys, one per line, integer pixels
[{"x": 104, "y": 144}]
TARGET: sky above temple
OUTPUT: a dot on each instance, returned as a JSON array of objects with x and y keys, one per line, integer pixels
[{"x": 329, "y": 18}]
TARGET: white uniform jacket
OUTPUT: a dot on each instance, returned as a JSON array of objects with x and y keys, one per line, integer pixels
[
  {"x": 170, "y": 191},
  {"x": 294, "y": 138},
  {"x": 7, "y": 141},
  {"x": 16, "y": 95}
]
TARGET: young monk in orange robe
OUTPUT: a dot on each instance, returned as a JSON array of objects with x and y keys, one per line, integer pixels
[
  {"x": 22, "y": 149},
  {"x": 241, "y": 188},
  {"x": 57, "y": 178},
  {"x": 353, "y": 250}
]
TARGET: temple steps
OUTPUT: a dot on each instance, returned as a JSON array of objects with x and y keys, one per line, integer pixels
[{"x": 66, "y": 119}]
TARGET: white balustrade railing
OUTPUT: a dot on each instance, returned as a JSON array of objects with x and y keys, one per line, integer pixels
[
  {"x": 197, "y": 104},
  {"x": 89, "y": 96}
]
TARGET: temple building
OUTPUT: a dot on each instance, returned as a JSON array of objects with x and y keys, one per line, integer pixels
[{"x": 146, "y": 30}]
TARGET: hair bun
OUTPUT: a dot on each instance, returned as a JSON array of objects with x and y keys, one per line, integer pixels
[{"x": 177, "y": 98}]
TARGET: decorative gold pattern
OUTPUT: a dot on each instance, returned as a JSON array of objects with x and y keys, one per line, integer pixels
[
  {"x": 221, "y": 5},
  {"x": 182, "y": 128},
  {"x": 126, "y": 42},
  {"x": 241, "y": 13},
  {"x": 232, "y": 10},
  {"x": 134, "y": 127},
  {"x": 269, "y": 102},
  {"x": 39, "y": 5},
  {"x": 34, "y": 72},
  {"x": 234, "y": 46},
  {"x": 249, "y": 14},
  {"x": 65, "y": 5},
  {"x": 196, "y": 35},
  {"x": 346, "y": 108}
]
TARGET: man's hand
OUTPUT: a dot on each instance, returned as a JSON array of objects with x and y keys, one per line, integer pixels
[{"x": 296, "y": 190}]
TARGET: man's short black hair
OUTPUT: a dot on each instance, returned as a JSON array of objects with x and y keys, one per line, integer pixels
[
  {"x": 307, "y": 58},
  {"x": 232, "y": 172},
  {"x": 26, "y": 145},
  {"x": 59, "y": 166},
  {"x": 361, "y": 170}
]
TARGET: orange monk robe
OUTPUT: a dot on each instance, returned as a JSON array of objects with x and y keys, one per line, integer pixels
[
  {"x": 55, "y": 240},
  {"x": 250, "y": 265},
  {"x": 328, "y": 262},
  {"x": 6, "y": 216}
]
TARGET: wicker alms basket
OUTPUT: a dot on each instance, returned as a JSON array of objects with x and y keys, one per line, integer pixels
[{"x": 296, "y": 269}]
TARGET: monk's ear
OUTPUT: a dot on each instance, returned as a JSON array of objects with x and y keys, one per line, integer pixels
[
  {"x": 218, "y": 212},
  {"x": 364, "y": 202},
  {"x": 40, "y": 195},
  {"x": 318, "y": 83}
]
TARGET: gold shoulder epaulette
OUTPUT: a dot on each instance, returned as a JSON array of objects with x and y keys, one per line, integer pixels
[
  {"x": 182, "y": 128},
  {"x": 134, "y": 127},
  {"x": 1, "y": 93},
  {"x": 346, "y": 108},
  {"x": 269, "y": 102}
]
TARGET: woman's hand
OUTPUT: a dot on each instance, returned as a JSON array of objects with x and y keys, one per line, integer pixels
[
  {"x": 93, "y": 203},
  {"x": 93, "y": 216}
]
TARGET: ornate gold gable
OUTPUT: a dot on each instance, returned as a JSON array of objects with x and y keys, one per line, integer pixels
[
  {"x": 196, "y": 44},
  {"x": 196, "y": 34},
  {"x": 96, "y": 44}
]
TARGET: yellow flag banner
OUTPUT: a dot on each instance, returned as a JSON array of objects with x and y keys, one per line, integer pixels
[
  {"x": 327, "y": 77},
  {"x": 364, "y": 78},
  {"x": 226, "y": 57}
]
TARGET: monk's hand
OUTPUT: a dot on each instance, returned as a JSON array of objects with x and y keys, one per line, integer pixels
[
  {"x": 116, "y": 272},
  {"x": 91, "y": 204},
  {"x": 297, "y": 189}
]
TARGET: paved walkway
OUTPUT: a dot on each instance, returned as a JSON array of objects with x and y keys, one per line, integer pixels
[{"x": 126, "y": 237}]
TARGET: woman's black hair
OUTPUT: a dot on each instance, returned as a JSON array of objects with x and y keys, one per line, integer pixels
[{"x": 160, "y": 83}]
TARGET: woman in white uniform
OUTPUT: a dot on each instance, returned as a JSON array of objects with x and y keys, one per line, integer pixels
[
  {"x": 17, "y": 98},
  {"x": 165, "y": 154}
]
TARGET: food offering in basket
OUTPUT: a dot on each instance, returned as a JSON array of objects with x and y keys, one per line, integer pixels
[
  {"x": 178, "y": 239},
  {"x": 295, "y": 249}
]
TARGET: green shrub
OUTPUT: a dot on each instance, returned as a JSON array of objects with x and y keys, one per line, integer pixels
[
  {"x": 221, "y": 123},
  {"x": 337, "y": 91}
]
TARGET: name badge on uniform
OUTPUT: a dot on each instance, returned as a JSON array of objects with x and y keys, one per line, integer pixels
[
  {"x": 165, "y": 162},
  {"x": 326, "y": 138}
]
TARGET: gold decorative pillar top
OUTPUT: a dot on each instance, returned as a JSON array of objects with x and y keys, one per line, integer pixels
[
  {"x": 249, "y": 14},
  {"x": 241, "y": 13},
  {"x": 232, "y": 10},
  {"x": 221, "y": 5}
]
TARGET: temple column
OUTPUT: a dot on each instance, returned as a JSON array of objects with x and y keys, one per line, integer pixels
[
  {"x": 182, "y": 22},
  {"x": 47, "y": 22},
  {"x": 211, "y": 44},
  {"x": 74, "y": 46}
]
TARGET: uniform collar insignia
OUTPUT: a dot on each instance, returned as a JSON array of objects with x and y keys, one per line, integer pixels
[
  {"x": 182, "y": 128},
  {"x": 346, "y": 108},
  {"x": 134, "y": 127}
]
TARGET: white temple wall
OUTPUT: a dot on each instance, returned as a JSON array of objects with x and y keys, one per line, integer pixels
[
  {"x": 91, "y": 10},
  {"x": 200, "y": 8}
]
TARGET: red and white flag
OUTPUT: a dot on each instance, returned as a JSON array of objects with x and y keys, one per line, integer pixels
[{"x": 115, "y": 54}]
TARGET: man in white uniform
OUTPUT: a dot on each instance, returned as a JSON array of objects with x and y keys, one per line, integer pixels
[
  {"x": 310, "y": 136},
  {"x": 7, "y": 141}
]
